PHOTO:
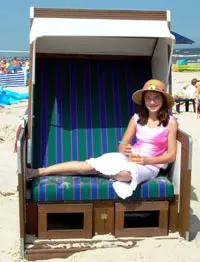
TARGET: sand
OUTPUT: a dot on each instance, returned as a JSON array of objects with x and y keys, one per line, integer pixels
[{"x": 150, "y": 249}]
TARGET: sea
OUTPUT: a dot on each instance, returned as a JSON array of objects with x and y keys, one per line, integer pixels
[{"x": 191, "y": 55}]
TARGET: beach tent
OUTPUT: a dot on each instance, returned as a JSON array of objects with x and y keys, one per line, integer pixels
[
  {"x": 182, "y": 62},
  {"x": 180, "y": 39}
]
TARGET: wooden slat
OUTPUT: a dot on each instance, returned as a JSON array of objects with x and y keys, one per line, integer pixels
[
  {"x": 42, "y": 251},
  {"x": 161, "y": 230},
  {"x": 49, "y": 254},
  {"x": 40, "y": 244},
  {"x": 21, "y": 188},
  {"x": 163, "y": 219},
  {"x": 44, "y": 209},
  {"x": 173, "y": 215},
  {"x": 100, "y": 14},
  {"x": 31, "y": 218},
  {"x": 141, "y": 232},
  {"x": 185, "y": 187},
  {"x": 21, "y": 205},
  {"x": 142, "y": 206},
  {"x": 103, "y": 218}
]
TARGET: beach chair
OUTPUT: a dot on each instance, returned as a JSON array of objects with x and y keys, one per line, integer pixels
[{"x": 79, "y": 107}]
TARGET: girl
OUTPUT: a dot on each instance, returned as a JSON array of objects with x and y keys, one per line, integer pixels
[{"x": 155, "y": 132}]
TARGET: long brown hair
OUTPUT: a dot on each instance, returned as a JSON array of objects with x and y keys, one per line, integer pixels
[{"x": 163, "y": 114}]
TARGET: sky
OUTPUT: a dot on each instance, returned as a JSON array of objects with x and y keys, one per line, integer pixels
[{"x": 16, "y": 22}]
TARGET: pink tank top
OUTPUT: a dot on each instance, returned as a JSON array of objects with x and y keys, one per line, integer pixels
[{"x": 151, "y": 141}]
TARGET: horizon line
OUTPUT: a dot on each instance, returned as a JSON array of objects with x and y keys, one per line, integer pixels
[{"x": 14, "y": 51}]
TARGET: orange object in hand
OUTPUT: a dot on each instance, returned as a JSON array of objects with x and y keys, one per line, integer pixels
[{"x": 135, "y": 153}]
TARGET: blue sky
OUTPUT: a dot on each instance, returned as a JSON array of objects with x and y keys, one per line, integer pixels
[{"x": 15, "y": 16}]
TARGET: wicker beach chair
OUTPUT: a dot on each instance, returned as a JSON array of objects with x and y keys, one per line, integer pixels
[
  {"x": 79, "y": 106},
  {"x": 81, "y": 109}
]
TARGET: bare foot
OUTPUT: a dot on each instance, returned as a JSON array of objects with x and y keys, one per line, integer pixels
[
  {"x": 31, "y": 173},
  {"x": 123, "y": 176}
]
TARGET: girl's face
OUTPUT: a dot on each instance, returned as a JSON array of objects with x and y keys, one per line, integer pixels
[{"x": 153, "y": 101}]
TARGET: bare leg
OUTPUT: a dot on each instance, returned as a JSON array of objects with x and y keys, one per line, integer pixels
[
  {"x": 67, "y": 168},
  {"x": 75, "y": 167}
]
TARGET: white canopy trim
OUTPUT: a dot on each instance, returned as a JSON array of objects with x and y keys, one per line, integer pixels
[
  {"x": 45, "y": 27},
  {"x": 105, "y": 37}
]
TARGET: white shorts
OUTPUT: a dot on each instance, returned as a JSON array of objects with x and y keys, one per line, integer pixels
[{"x": 112, "y": 163}]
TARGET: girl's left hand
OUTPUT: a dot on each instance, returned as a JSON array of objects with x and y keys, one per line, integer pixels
[{"x": 141, "y": 160}]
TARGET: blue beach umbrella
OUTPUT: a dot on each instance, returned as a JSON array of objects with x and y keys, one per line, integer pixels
[{"x": 180, "y": 39}]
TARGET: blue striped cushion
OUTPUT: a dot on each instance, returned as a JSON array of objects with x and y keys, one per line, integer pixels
[{"x": 66, "y": 188}]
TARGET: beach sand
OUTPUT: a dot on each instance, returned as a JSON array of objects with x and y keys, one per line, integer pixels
[{"x": 149, "y": 249}]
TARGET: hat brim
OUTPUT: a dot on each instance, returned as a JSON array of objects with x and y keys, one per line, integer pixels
[{"x": 137, "y": 97}]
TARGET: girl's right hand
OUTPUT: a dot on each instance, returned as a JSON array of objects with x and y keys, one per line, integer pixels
[{"x": 125, "y": 149}]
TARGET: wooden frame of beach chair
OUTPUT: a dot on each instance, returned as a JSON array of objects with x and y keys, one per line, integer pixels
[{"x": 99, "y": 210}]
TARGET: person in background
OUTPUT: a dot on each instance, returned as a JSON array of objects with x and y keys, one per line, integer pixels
[
  {"x": 197, "y": 95},
  {"x": 189, "y": 90},
  {"x": 3, "y": 69},
  {"x": 15, "y": 66},
  {"x": 8, "y": 64}
]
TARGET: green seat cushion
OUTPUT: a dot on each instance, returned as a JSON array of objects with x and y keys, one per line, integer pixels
[{"x": 88, "y": 188}]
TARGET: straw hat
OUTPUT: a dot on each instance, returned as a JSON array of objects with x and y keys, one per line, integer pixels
[{"x": 153, "y": 85}]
